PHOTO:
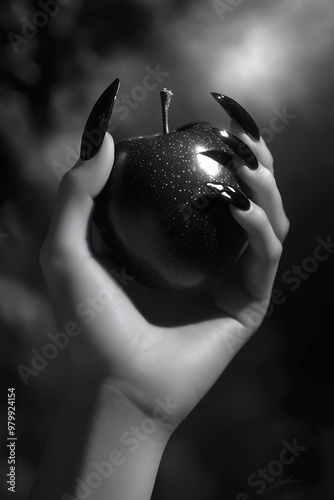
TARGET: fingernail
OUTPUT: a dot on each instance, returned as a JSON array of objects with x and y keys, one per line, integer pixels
[
  {"x": 232, "y": 195},
  {"x": 238, "y": 147},
  {"x": 98, "y": 122},
  {"x": 220, "y": 157},
  {"x": 239, "y": 114}
]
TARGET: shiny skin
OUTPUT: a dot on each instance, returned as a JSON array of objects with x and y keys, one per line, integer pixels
[{"x": 158, "y": 218}]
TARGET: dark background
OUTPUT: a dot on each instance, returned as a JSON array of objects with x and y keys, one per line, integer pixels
[{"x": 267, "y": 55}]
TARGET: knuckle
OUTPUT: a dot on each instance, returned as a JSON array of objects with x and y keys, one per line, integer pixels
[
  {"x": 52, "y": 258},
  {"x": 269, "y": 161},
  {"x": 72, "y": 180},
  {"x": 269, "y": 179},
  {"x": 260, "y": 215},
  {"x": 286, "y": 228},
  {"x": 275, "y": 252}
]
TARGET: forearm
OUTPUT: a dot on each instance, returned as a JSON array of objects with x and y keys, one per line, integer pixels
[{"x": 103, "y": 446}]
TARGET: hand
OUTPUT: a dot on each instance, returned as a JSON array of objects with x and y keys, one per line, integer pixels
[{"x": 116, "y": 342}]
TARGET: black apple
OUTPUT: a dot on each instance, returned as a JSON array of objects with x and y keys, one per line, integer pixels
[{"x": 157, "y": 216}]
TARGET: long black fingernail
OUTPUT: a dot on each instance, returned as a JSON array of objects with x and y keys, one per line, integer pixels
[
  {"x": 239, "y": 114},
  {"x": 238, "y": 147},
  {"x": 220, "y": 157},
  {"x": 232, "y": 195},
  {"x": 98, "y": 122}
]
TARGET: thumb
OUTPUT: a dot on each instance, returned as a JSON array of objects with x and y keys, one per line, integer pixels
[{"x": 68, "y": 240}]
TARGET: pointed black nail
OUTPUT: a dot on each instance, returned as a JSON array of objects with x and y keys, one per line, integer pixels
[
  {"x": 239, "y": 114},
  {"x": 220, "y": 157},
  {"x": 231, "y": 194},
  {"x": 239, "y": 147},
  {"x": 98, "y": 122}
]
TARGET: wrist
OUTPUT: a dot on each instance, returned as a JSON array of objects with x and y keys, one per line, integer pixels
[
  {"x": 124, "y": 445},
  {"x": 125, "y": 407}
]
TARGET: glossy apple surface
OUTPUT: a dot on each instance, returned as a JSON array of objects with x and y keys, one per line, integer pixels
[{"x": 160, "y": 221}]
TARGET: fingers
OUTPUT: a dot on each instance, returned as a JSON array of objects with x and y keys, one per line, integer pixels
[
  {"x": 265, "y": 221},
  {"x": 68, "y": 239},
  {"x": 263, "y": 189},
  {"x": 244, "y": 127},
  {"x": 264, "y": 192},
  {"x": 258, "y": 147},
  {"x": 261, "y": 182},
  {"x": 261, "y": 259}
]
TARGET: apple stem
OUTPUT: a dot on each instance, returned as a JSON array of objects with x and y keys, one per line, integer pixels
[{"x": 166, "y": 96}]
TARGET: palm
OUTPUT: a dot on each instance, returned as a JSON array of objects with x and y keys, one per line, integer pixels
[{"x": 180, "y": 360}]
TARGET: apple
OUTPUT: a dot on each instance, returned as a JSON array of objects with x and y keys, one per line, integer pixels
[{"x": 156, "y": 214}]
